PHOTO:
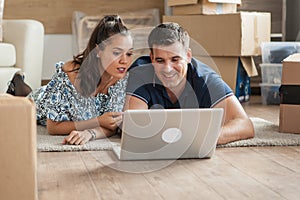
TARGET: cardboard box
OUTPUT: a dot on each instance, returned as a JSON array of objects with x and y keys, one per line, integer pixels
[
  {"x": 213, "y": 9},
  {"x": 290, "y": 95},
  {"x": 17, "y": 148},
  {"x": 206, "y": 7},
  {"x": 189, "y": 2},
  {"x": 291, "y": 70},
  {"x": 289, "y": 118},
  {"x": 238, "y": 34},
  {"x": 235, "y": 71}
]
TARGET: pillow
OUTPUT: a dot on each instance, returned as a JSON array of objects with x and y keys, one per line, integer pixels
[
  {"x": 8, "y": 55},
  {"x": 140, "y": 24},
  {"x": 1, "y": 16}
]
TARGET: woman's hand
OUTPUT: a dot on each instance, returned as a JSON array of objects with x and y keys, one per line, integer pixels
[
  {"x": 110, "y": 120},
  {"x": 77, "y": 137},
  {"x": 82, "y": 137}
]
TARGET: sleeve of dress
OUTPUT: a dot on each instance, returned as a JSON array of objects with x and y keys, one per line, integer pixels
[
  {"x": 58, "y": 96},
  {"x": 59, "y": 106}
]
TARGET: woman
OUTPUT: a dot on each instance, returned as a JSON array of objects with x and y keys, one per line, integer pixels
[{"x": 85, "y": 96}]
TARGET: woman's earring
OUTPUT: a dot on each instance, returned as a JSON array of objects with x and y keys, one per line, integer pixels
[{"x": 97, "y": 55}]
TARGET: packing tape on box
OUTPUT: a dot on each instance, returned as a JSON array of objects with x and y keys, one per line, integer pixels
[{"x": 289, "y": 94}]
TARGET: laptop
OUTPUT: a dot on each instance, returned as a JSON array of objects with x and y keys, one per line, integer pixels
[{"x": 169, "y": 133}]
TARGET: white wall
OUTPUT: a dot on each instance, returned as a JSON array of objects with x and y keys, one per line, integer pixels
[{"x": 57, "y": 47}]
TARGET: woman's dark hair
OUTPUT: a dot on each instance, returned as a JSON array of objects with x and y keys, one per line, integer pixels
[{"x": 89, "y": 74}]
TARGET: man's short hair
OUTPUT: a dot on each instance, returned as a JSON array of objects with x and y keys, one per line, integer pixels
[{"x": 168, "y": 33}]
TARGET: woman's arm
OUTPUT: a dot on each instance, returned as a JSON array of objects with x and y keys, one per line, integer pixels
[
  {"x": 65, "y": 127},
  {"x": 109, "y": 120},
  {"x": 82, "y": 137}
]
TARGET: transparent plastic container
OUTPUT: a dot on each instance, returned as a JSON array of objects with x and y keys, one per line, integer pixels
[
  {"x": 275, "y": 52},
  {"x": 271, "y": 73},
  {"x": 270, "y": 93}
]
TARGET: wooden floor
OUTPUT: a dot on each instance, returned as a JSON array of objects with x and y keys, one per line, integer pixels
[{"x": 232, "y": 173}]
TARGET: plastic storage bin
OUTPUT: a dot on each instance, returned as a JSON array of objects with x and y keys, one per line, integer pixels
[
  {"x": 275, "y": 52},
  {"x": 271, "y": 73},
  {"x": 270, "y": 93}
]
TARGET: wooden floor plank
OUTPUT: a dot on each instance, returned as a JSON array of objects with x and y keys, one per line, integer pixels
[
  {"x": 288, "y": 157},
  {"x": 177, "y": 182},
  {"x": 280, "y": 179},
  {"x": 62, "y": 175},
  {"x": 227, "y": 180},
  {"x": 296, "y": 148},
  {"x": 112, "y": 182}
]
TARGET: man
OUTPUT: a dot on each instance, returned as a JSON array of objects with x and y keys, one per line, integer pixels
[{"x": 174, "y": 79}]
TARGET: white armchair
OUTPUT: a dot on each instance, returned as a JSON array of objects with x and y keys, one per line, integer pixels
[{"x": 22, "y": 49}]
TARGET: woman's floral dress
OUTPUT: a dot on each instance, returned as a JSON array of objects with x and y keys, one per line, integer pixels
[{"x": 59, "y": 100}]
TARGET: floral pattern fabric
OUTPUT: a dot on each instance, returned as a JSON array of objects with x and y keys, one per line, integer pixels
[{"x": 59, "y": 100}]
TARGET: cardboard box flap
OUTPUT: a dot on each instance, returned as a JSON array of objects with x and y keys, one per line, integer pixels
[
  {"x": 291, "y": 70},
  {"x": 263, "y": 26},
  {"x": 206, "y": 8},
  {"x": 249, "y": 65},
  {"x": 225, "y": 1},
  {"x": 181, "y": 2},
  {"x": 188, "y": 2},
  {"x": 293, "y": 58}
]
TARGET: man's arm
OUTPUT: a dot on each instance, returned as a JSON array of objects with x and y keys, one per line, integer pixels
[
  {"x": 237, "y": 124},
  {"x": 133, "y": 102}
]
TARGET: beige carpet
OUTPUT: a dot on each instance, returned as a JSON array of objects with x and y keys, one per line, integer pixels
[{"x": 266, "y": 134}]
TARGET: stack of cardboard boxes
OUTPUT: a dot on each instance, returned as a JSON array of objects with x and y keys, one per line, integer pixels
[
  {"x": 290, "y": 95},
  {"x": 223, "y": 38},
  {"x": 273, "y": 53}
]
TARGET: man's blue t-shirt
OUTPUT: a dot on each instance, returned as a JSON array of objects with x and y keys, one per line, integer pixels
[{"x": 204, "y": 87}]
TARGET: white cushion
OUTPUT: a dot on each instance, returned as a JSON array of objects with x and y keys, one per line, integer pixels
[
  {"x": 27, "y": 36},
  {"x": 8, "y": 55}
]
